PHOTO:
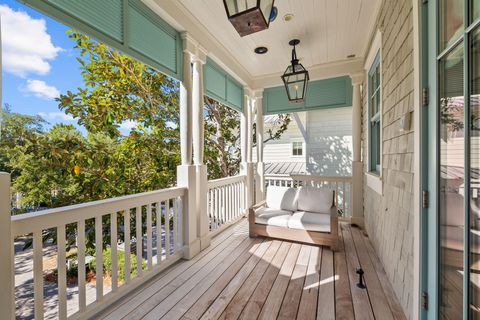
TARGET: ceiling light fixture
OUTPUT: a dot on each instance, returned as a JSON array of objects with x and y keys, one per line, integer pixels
[
  {"x": 288, "y": 17},
  {"x": 295, "y": 77},
  {"x": 249, "y": 16},
  {"x": 261, "y": 50}
]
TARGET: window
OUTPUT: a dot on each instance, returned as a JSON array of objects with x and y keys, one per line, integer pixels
[
  {"x": 374, "y": 116},
  {"x": 297, "y": 148}
]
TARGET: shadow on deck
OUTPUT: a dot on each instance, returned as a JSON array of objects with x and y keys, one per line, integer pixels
[{"x": 242, "y": 278}]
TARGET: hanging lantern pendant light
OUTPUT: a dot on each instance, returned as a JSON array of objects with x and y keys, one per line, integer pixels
[
  {"x": 295, "y": 77},
  {"x": 250, "y": 16}
]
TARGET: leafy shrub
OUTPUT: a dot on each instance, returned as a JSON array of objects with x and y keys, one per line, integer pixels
[{"x": 107, "y": 264}]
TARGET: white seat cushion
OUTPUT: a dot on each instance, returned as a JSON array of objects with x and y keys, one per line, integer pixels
[
  {"x": 272, "y": 217},
  {"x": 283, "y": 198},
  {"x": 312, "y": 199},
  {"x": 310, "y": 221}
]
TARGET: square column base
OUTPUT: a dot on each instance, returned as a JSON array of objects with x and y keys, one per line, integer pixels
[
  {"x": 247, "y": 168},
  {"x": 186, "y": 177},
  {"x": 260, "y": 182},
  {"x": 203, "y": 220},
  {"x": 357, "y": 194}
]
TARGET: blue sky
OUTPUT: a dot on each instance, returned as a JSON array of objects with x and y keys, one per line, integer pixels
[
  {"x": 34, "y": 74},
  {"x": 38, "y": 63}
]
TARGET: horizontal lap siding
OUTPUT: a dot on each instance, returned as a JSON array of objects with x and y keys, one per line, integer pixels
[{"x": 329, "y": 148}]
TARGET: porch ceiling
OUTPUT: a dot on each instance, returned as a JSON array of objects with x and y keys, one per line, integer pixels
[{"x": 329, "y": 31}]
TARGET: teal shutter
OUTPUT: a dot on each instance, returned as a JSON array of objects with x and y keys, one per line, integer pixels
[
  {"x": 106, "y": 16},
  {"x": 149, "y": 35},
  {"x": 219, "y": 85},
  {"x": 126, "y": 25},
  {"x": 321, "y": 94}
]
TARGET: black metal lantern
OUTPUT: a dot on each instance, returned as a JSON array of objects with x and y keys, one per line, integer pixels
[
  {"x": 249, "y": 16},
  {"x": 295, "y": 77}
]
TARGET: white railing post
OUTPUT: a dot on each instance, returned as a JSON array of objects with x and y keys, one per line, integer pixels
[
  {"x": 260, "y": 172},
  {"x": 7, "y": 300},
  {"x": 186, "y": 175},
  {"x": 198, "y": 147},
  {"x": 246, "y": 167},
  {"x": 356, "y": 191}
]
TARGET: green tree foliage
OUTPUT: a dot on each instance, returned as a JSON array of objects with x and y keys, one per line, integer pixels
[
  {"x": 118, "y": 88},
  {"x": 64, "y": 166}
]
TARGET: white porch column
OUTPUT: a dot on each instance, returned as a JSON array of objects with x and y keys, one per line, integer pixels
[
  {"x": 356, "y": 196},
  {"x": 186, "y": 175},
  {"x": 198, "y": 148},
  {"x": 260, "y": 173},
  {"x": 7, "y": 302},
  {"x": 246, "y": 148}
]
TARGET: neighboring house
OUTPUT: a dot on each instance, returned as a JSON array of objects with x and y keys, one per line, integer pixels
[{"x": 318, "y": 142}]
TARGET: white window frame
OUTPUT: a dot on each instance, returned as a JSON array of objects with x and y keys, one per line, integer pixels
[
  {"x": 374, "y": 179},
  {"x": 291, "y": 149}
]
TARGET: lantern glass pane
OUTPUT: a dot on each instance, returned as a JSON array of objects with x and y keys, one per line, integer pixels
[
  {"x": 266, "y": 7},
  {"x": 237, "y": 6},
  {"x": 295, "y": 90}
]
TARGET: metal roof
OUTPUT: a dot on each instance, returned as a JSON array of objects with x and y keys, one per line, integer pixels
[{"x": 285, "y": 168}]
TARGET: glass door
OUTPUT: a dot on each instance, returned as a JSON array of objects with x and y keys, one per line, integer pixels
[{"x": 454, "y": 135}]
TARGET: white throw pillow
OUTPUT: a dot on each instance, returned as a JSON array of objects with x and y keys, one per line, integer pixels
[
  {"x": 312, "y": 199},
  {"x": 283, "y": 198}
]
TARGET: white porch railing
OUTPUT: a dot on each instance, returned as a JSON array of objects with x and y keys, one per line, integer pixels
[
  {"x": 342, "y": 185},
  {"x": 156, "y": 218},
  {"x": 226, "y": 201}
]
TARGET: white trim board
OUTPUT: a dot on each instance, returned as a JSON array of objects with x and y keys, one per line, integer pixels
[{"x": 375, "y": 181}]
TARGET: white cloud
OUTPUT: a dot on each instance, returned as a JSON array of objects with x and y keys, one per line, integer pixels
[
  {"x": 128, "y": 125},
  {"x": 40, "y": 89},
  {"x": 56, "y": 116},
  {"x": 26, "y": 45}
]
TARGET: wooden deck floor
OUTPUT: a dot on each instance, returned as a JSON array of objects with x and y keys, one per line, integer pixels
[{"x": 242, "y": 278}]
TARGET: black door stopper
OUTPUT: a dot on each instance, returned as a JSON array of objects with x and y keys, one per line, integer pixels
[{"x": 360, "y": 283}]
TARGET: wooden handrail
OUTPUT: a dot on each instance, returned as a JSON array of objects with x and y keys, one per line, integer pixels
[
  {"x": 40, "y": 220},
  {"x": 225, "y": 181}
]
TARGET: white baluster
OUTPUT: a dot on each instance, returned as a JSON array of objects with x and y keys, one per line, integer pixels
[
  {"x": 127, "y": 243},
  {"x": 38, "y": 274},
  {"x": 158, "y": 211},
  {"x": 99, "y": 257},
  {"x": 179, "y": 222},
  {"x": 62, "y": 273},
  {"x": 139, "y": 238},
  {"x": 82, "y": 302},
  {"x": 149, "y": 236},
  {"x": 167, "y": 228},
  {"x": 114, "y": 251},
  {"x": 175, "y": 213}
]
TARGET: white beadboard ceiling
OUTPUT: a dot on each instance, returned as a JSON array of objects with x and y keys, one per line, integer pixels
[{"x": 329, "y": 31}]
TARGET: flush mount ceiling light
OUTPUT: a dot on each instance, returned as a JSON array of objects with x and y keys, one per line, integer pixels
[
  {"x": 295, "y": 77},
  {"x": 261, "y": 50},
  {"x": 249, "y": 16},
  {"x": 288, "y": 17}
]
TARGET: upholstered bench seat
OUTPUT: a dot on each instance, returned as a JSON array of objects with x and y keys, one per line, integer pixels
[
  {"x": 272, "y": 217},
  {"x": 304, "y": 214},
  {"x": 310, "y": 221}
]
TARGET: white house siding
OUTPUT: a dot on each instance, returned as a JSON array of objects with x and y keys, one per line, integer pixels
[
  {"x": 389, "y": 216},
  {"x": 329, "y": 147},
  {"x": 328, "y": 143}
]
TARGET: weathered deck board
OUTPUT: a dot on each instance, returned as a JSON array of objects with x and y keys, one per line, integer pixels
[
  {"x": 255, "y": 304},
  {"x": 242, "y": 278},
  {"x": 292, "y": 297},
  {"x": 235, "y": 307},
  {"x": 308, "y": 304},
  {"x": 326, "y": 288},
  {"x": 361, "y": 302}
]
